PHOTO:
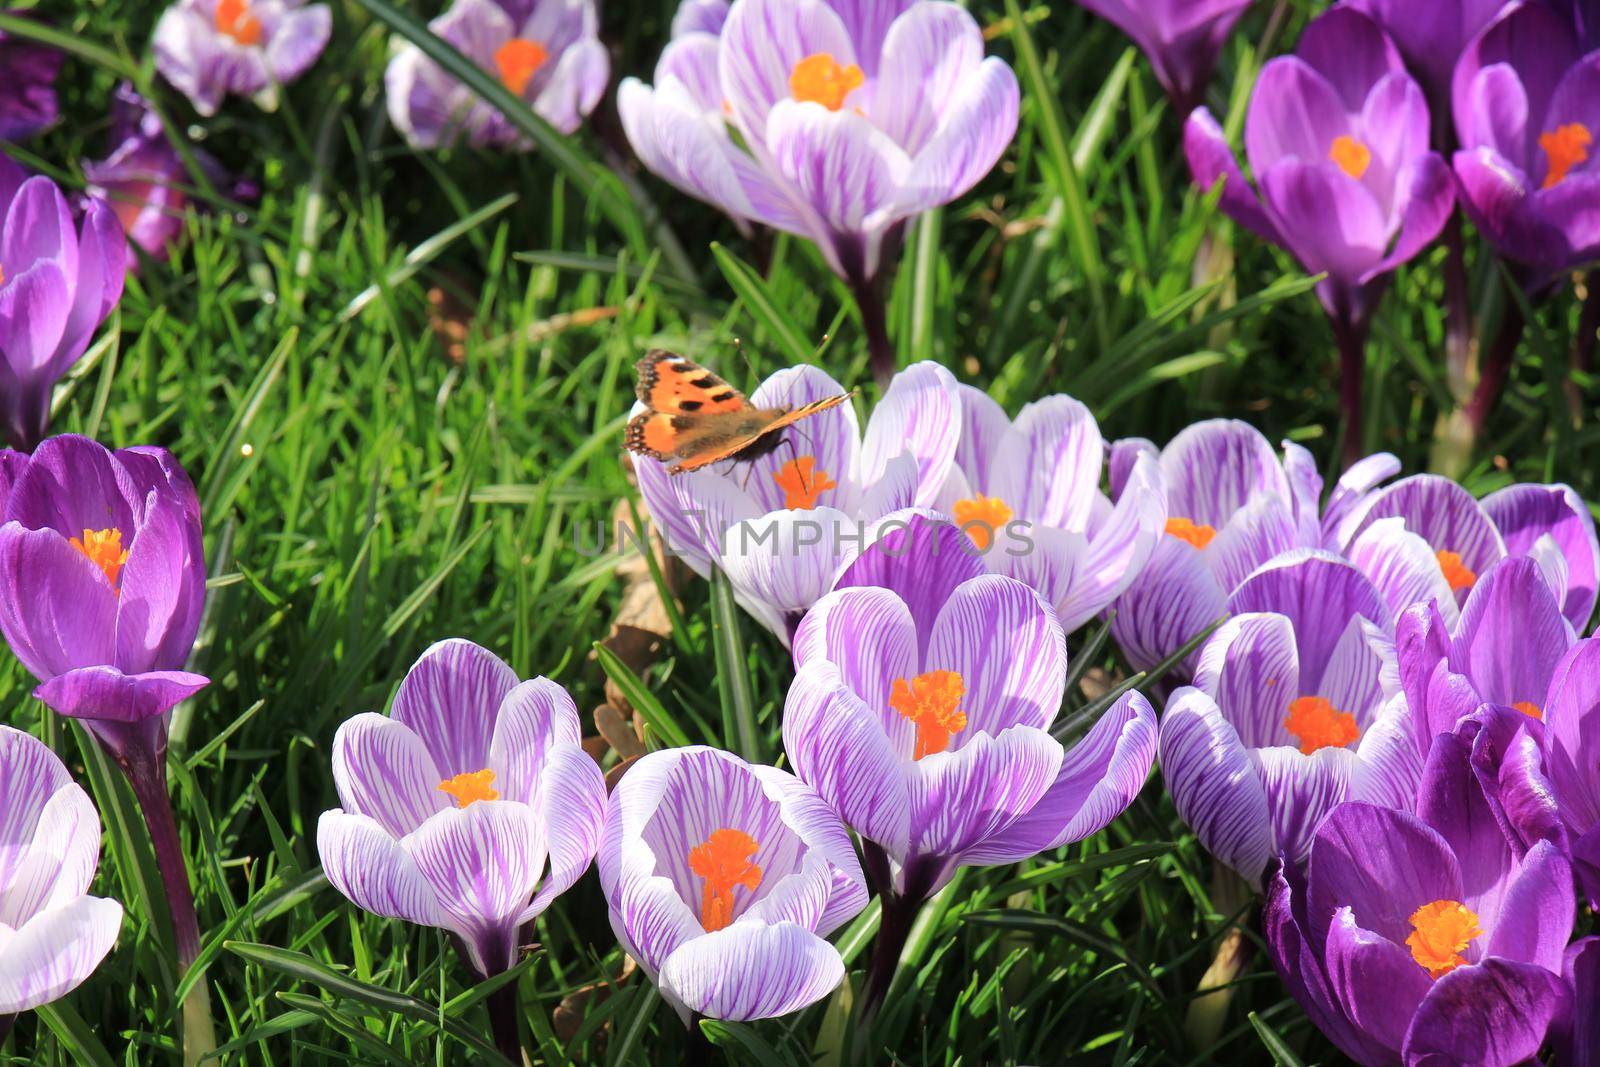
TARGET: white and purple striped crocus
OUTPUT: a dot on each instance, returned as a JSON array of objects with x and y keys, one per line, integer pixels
[
  {"x": 1287, "y": 716},
  {"x": 52, "y": 934},
  {"x": 469, "y": 807},
  {"x": 700, "y": 16},
  {"x": 209, "y": 49},
  {"x": 59, "y": 280},
  {"x": 724, "y": 879},
  {"x": 28, "y": 100},
  {"x": 1438, "y": 937},
  {"x": 834, "y": 120},
  {"x": 1527, "y": 111},
  {"x": 924, "y": 696},
  {"x": 1181, "y": 38},
  {"x": 1043, "y": 472},
  {"x": 781, "y": 527},
  {"x": 547, "y": 53},
  {"x": 1398, "y": 529},
  {"x": 1512, "y": 647},
  {"x": 1232, "y": 505}
]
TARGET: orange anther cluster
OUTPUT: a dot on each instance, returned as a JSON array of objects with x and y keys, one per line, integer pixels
[
  {"x": 821, "y": 79},
  {"x": 1316, "y": 723},
  {"x": 723, "y": 860},
  {"x": 930, "y": 701}
]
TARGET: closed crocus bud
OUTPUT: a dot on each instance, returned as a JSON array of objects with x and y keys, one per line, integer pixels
[
  {"x": 724, "y": 879},
  {"x": 545, "y": 52},
  {"x": 1181, "y": 38},
  {"x": 209, "y": 49},
  {"x": 52, "y": 934},
  {"x": 59, "y": 281}
]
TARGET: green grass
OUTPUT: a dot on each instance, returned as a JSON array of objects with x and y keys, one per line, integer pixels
[{"x": 364, "y": 495}]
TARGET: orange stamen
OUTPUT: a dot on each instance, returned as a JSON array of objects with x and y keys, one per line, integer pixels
[
  {"x": 1530, "y": 709},
  {"x": 1351, "y": 155},
  {"x": 1440, "y": 931},
  {"x": 1197, "y": 534},
  {"x": 104, "y": 549},
  {"x": 1316, "y": 723},
  {"x": 723, "y": 860},
  {"x": 518, "y": 60},
  {"x": 802, "y": 483},
  {"x": 1458, "y": 574},
  {"x": 471, "y": 787},
  {"x": 980, "y": 517},
  {"x": 929, "y": 700},
  {"x": 1566, "y": 147},
  {"x": 823, "y": 80},
  {"x": 234, "y": 20}
]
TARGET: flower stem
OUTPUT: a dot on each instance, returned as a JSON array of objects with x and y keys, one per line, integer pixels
[
  {"x": 504, "y": 1008},
  {"x": 1583, "y": 345},
  {"x": 1350, "y": 335},
  {"x": 1496, "y": 368},
  {"x": 898, "y": 913},
  {"x": 875, "y": 323},
  {"x": 147, "y": 775},
  {"x": 1457, "y": 311},
  {"x": 6, "y": 1023}
]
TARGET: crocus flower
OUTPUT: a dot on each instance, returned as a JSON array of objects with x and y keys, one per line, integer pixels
[
  {"x": 1337, "y": 137},
  {"x": 1436, "y": 937},
  {"x": 470, "y": 807},
  {"x": 700, "y": 16},
  {"x": 52, "y": 935},
  {"x": 1287, "y": 717},
  {"x": 921, "y": 709},
  {"x": 1043, "y": 472},
  {"x": 723, "y": 879},
  {"x": 1526, "y": 113},
  {"x": 1232, "y": 505},
  {"x": 834, "y": 120},
  {"x": 782, "y": 525},
  {"x": 1431, "y": 37},
  {"x": 547, "y": 53},
  {"x": 1580, "y": 1047},
  {"x": 210, "y": 48},
  {"x": 28, "y": 92},
  {"x": 1427, "y": 516},
  {"x": 58, "y": 283},
  {"x": 1181, "y": 38}
]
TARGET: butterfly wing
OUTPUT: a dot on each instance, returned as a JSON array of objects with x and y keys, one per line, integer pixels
[
  {"x": 673, "y": 384},
  {"x": 733, "y": 436}
]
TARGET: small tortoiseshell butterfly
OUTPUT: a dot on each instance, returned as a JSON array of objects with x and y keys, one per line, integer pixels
[{"x": 694, "y": 419}]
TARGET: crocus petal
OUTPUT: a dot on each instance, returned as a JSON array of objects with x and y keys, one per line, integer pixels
[
  {"x": 382, "y": 770},
  {"x": 575, "y": 86},
  {"x": 54, "y": 952},
  {"x": 1257, "y": 532},
  {"x": 1320, "y": 593},
  {"x": 56, "y": 608},
  {"x": 927, "y": 56},
  {"x": 1496, "y": 196},
  {"x": 1572, "y": 718},
  {"x": 1496, "y": 1014},
  {"x": 1251, "y": 668},
  {"x": 536, "y": 719},
  {"x": 450, "y": 698},
  {"x": 973, "y": 133},
  {"x": 1388, "y": 765},
  {"x": 1377, "y": 982},
  {"x": 34, "y": 308},
  {"x": 367, "y": 864},
  {"x": 105, "y": 693},
  {"x": 482, "y": 862},
  {"x": 1535, "y": 919},
  {"x": 297, "y": 41},
  {"x": 162, "y": 591},
  {"x": 1353, "y": 486},
  {"x": 752, "y": 971},
  {"x": 1511, "y": 635},
  {"x": 571, "y": 806},
  {"x": 1430, "y": 196},
  {"x": 1212, "y": 160},
  {"x": 963, "y": 797},
  {"x": 1403, "y": 567},
  {"x": 58, "y": 865},
  {"x": 787, "y": 559},
  {"x": 919, "y": 557},
  {"x": 868, "y": 635},
  {"x": 1214, "y": 468},
  {"x": 1214, "y": 784},
  {"x": 1172, "y": 600},
  {"x": 1452, "y": 801},
  {"x": 1330, "y": 222},
  {"x": 1581, "y": 1047},
  {"x": 1295, "y": 114},
  {"x": 1004, "y": 642},
  {"x": 1119, "y": 547},
  {"x": 1382, "y": 886},
  {"x": 1301, "y": 790},
  {"x": 920, "y": 414},
  {"x": 761, "y": 43},
  {"x": 1524, "y": 513}
]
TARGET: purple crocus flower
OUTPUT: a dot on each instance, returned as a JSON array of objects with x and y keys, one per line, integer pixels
[
  {"x": 723, "y": 879},
  {"x": 1580, "y": 1047},
  {"x": 1423, "y": 517},
  {"x": 1527, "y": 111},
  {"x": 1232, "y": 505},
  {"x": 783, "y": 525},
  {"x": 28, "y": 91},
  {"x": 1337, "y": 137},
  {"x": 210, "y": 48},
  {"x": 1287, "y": 717},
  {"x": 546, "y": 52},
  {"x": 1436, "y": 937},
  {"x": 1028, "y": 495},
  {"x": 58, "y": 283},
  {"x": 1431, "y": 37},
  {"x": 52, "y": 935},
  {"x": 921, "y": 710},
  {"x": 470, "y": 807},
  {"x": 1181, "y": 38},
  {"x": 834, "y": 120}
]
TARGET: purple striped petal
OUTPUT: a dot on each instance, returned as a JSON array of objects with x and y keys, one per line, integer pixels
[
  {"x": 54, "y": 862},
  {"x": 826, "y": 838},
  {"x": 1120, "y": 547},
  {"x": 53, "y": 953},
  {"x": 868, "y": 636},
  {"x": 1251, "y": 668},
  {"x": 1319, "y": 593},
  {"x": 921, "y": 559},
  {"x": 973, "y": 133},
  {"x": 1353, "y": 486},
  {"x": 761, "y": 43},
  {"x": 450, "y": 698},
  {"x": 1174, "y": 598},
  {"x": 787, "y": 559},
  {"x": 1257, "y": 532},
  {"x": 571, "y": 808},
  {"x": 752, "y": 971},
  {"x": 963, "y": 797},
  {"x": 1005, "y": 643},
  {"x": 927, "y": 56},
  {"x": 536, "y": 720},
  {"x": 1216, "y": 467},
  {"x": 1525, "y": 513},
  {"x": 1214, "y": 784},
  {"x": 920, "y": 414},
  {"x": 1451, "y": 800},
  {"x": 382, "y": 770},
  {"x": 1388, "y": 765},
  {"x": 365, "y": 863},
  {"x": 1301, "y": 790},
  {"x": 1440, "y": 512},
  {"x": 1403, "y": 567}
]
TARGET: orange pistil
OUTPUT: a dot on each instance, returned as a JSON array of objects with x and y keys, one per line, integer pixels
[
  {"x": 471, "y": 787},
  {"x": 518, "y": 60},
  {"x": 929, "y": 700},
  {"x": 1440, "y": 931},
  {"x": 823, "y": 80},
  {"x": 1530, "y": 709},
  {"x": 1197, "y": 534},
  {"x": 723, "y": 860},
  {"x": 1460, "y": 576},
  {"x": 1316, "y": 723},
  {"x": 1351, "y": 155},
  {"x": 1565, "y": 147},
  {"x": 234, "y": 20},
  {"x": 802, "y": 482},
  {"x": 104, "y": 549},
  {"x": 980, "y": 517}
]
